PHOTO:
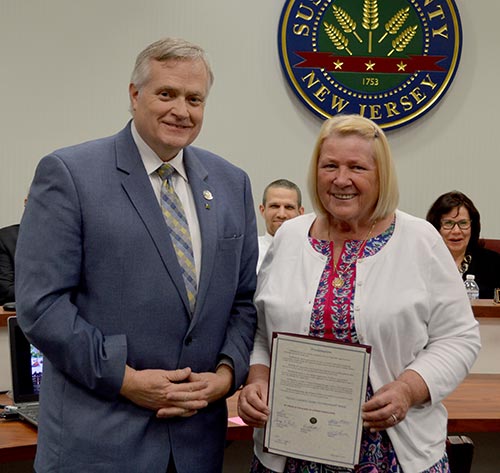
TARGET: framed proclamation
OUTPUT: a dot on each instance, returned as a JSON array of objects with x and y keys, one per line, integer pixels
[{"x": 316, "y": 390}]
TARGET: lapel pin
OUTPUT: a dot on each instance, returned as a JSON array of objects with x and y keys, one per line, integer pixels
[
  {"x": 208, "y": 195},
  {"x": 207, "y": 206}
]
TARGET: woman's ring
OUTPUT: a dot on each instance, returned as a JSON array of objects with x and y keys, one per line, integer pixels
[{"x": 394, "y": 418}]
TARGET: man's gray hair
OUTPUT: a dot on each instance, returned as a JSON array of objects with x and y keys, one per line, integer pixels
[{"x": 163, "y": 50}]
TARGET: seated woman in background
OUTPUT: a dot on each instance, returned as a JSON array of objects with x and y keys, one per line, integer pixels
[{"x": 456, "y": 218}]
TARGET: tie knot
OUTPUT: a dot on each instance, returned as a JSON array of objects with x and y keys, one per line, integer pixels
[{"x": 165, "y": 171}]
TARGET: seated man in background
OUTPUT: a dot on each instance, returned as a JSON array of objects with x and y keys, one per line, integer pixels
[
  {"x": 282, "y": 200},
  {"x": 8, "y": 240},
  {"x": 458, "y": 221}
]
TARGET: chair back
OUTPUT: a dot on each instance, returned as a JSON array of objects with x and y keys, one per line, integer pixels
[
  {"x": 490, "y": 244},
  {"x": 460, "y": 450}
]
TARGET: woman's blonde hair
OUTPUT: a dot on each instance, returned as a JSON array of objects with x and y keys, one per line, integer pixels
[{"x": 343, "y": 125}]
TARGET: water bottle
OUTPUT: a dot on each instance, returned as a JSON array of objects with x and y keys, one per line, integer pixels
[{"x": 471, "y": 287}]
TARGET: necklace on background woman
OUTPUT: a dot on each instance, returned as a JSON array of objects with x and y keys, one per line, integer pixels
[
  {"x": 464, "y": 265},
  {"x": 338, "y": 280}
]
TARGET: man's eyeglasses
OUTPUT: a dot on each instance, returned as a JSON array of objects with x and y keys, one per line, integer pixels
[{"x": 450, "y": 224}]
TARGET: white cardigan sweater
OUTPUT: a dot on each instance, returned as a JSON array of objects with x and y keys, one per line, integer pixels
[{"x": 410, "y": 306}]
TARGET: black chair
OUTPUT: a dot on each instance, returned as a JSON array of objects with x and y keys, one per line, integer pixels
[{"x": 460, "y": 450}]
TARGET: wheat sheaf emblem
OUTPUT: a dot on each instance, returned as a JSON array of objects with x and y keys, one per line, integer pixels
[{"x": 346, "y": 28}]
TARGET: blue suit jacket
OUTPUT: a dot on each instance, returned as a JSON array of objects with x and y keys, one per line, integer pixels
[{"x": 99, "y": 286}]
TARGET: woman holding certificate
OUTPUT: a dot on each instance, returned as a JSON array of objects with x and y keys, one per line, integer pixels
[{"x": 360, "y": 271}]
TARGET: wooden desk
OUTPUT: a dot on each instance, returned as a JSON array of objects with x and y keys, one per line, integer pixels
[
  {"x": 473, "y": 407},
  {"x": 17, "y": 439},
  {"x": 480, "y": 307},
  {"x": 4, "y": 315},
  {"x": 485, "y": 308},
  {"x": 236, "y": 431}
]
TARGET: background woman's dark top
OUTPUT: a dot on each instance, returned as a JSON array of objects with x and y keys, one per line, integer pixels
[{"x": 485, "y": 265}]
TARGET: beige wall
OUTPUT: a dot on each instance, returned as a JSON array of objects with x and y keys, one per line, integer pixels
[
  {"x": 5, "y": 376},
  {"x": 65, "y": 72},
  {"x": 488, "y": 360},
  {"x": 64, "y": 78},
  {"x": 66, "y": 65}
]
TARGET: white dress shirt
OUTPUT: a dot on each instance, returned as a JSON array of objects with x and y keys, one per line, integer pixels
[
  {"x": 181, "y": 186},
  {"x": 264, "y": 244}
]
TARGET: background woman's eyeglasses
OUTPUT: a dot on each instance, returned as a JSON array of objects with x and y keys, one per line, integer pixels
[{"x": 450, "y": 224}]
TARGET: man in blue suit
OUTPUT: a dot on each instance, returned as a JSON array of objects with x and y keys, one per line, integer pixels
[{"x": 135, "y": 377}]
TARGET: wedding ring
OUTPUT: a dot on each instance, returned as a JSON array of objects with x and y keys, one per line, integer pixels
[{"x": 394, "y": 418}]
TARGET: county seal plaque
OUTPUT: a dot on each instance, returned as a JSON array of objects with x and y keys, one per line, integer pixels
[{"x": 390, "y": 61}]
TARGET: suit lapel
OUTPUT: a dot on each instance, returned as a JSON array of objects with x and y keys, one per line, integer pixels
[
  {"x": 137, "y": 185},
  {"x": 206, "y": 202}
]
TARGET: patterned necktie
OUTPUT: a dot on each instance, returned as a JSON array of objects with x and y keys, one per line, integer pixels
[{"x": 173, "y": 211}]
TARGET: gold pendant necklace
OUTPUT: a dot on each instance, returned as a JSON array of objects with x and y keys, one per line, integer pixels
[{"x": 338, "y": 281}]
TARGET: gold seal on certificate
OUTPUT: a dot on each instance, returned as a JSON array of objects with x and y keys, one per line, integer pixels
[{"x": 316, "y": 390}]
